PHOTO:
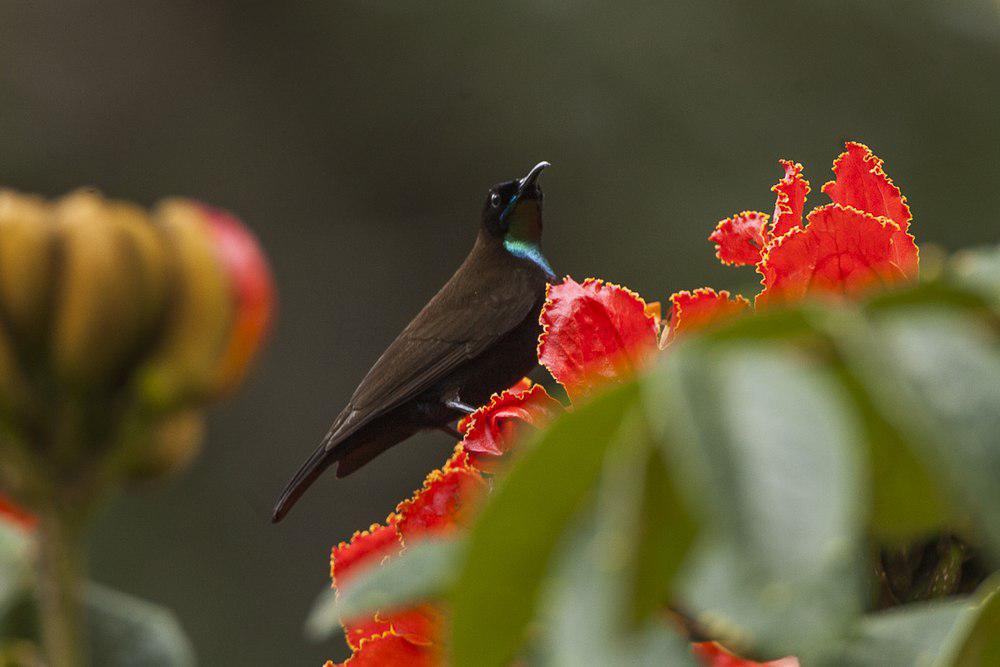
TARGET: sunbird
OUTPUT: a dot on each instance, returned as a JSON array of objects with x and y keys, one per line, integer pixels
[{"x": 477, "y": 336}]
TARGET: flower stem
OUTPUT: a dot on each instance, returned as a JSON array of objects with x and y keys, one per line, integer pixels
[{"x": 60, "y": 580}]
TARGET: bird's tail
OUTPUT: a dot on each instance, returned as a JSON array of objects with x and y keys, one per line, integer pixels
[{"x": 320, "y": 460}]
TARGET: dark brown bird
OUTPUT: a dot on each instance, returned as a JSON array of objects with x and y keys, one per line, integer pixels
[{"x": 478, "y": 335}]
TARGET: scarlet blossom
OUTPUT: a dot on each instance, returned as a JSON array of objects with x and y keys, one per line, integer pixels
[
  {"x": 741, "y": 239},
  {"x": 791, "y": 193},
  {"x": 842, "y": 251},
  {"x": 712, "y": 654},
  {"x": 389, "y": 648},
  {"x": 594, "y": 333},
  {"x": 12, "y": 514},
  {"x": 491, "y": 430},
  {"x": 695, "y": 310}
]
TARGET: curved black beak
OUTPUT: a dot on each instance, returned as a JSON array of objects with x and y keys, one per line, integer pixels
[{"x": 529, "y": 179}]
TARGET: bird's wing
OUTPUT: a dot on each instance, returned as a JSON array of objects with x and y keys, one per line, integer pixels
[{"x": 459, "y": 323}]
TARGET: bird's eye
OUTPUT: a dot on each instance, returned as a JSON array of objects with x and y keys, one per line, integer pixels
[{"x": 495, "y": 199}]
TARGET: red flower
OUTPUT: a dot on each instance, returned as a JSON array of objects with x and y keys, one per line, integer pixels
[
  {"x": 712, "y": 654},
  {"x": 698, "y": 309},
  {"x": 741, "y": 238},
  {"x": 253, "y": 294},
  {"x": 14, "y": 515},
  {"x": 791, "y": 201},
  {"x": 594, "y": 333},
  {"x": 491, "y": 430},
  {"x": 843, "y": 250},
  {"x": 389, "y": 648}
]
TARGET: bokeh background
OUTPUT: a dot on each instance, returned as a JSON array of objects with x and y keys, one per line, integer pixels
[{"x": 358, "y": 140}]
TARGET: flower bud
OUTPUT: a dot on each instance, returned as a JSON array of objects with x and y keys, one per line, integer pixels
[
  {"x": 173, "y": 443},
  {"x": 197, "y": 325},
  {"x": 111, "y": 286},
  {"x": 27, "y": 260}
]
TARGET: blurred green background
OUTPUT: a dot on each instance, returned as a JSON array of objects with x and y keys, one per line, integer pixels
[{"x": 358, "y": 139}]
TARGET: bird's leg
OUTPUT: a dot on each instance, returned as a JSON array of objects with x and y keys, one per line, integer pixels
[{"x": 456, "y": 404}]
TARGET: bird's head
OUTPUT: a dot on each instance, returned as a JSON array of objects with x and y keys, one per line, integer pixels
[{"x": 513, "y": 210}]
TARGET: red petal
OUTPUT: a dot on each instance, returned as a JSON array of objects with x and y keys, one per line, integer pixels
[
  {"x": 521, "y": 385},
  {"x": 713, "y": 655},
  {"x": 693, "y": 311},
  {"x": 842, "y": 251},
  {"x": 253, "y": 292},
  {"x": 594, "y": 333},
  {"x": 863, "y": 184},
  {"x": 389, "y": 649},
  {"x": 442, "y": 503},
  {"x": 14, "y": 515},
  {"x": 741, "y": 238},
  {"x": 492, "y": 430},
  {"x": 365, "y": 549},
  {"x": 419, "y": 625},
  {"x": 791, "y": 190}
]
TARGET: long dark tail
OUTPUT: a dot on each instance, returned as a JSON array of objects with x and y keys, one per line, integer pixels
[{"x": 320, "y": 460}]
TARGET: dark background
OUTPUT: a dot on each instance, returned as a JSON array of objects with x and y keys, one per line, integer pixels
[{"x": 359, "y": 138}]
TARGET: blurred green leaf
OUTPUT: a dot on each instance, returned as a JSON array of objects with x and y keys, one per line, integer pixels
[
  {"x": 947, "y": 401},
  {"x": 979, "y": 269},
  {"x": 978, "y": 643},
  {"x": 513, "y": 540},
  {"x": 128, "y": 632},
  {"x": 15, "y": 567},
  {"x": 780, "y": 571},
  {"x": 958, "y": 632},
  {"x": 424, "y": 570},
  {"x": 629, "y": 540},
  {"x": 910, "y": 636}
]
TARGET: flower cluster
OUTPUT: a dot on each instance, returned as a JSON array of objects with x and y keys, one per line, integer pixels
[
  {"x": 595, "y": 333},
  {"x": 118, "y": 324}
]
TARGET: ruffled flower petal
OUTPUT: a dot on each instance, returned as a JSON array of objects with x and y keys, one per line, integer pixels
[
  {"x": 594, "y": 333},
  {"x": 492, "y": 429},
  {"x": 712, "y": 654},
  {"x": 842, "y": 251},
  {"x": 695, "y": 310},
  {"x": 389, "y": 648},
  {"x": 861, "y": 183},
  {"x": 365, "y": 550},
  {"x": 791, "y": 193},
  {"x": 441, "y": 505},
  {"x": 741, "y": 238}
]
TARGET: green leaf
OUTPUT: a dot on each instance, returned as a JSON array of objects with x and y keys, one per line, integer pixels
[
  {"x": 957, "y": 632},
  {"x": 979, "y": 269},
  {"x": 511, "y": 544},
  {"x": 128, "y": 632},
  {"x": 978, "y": 641},
  {"x": 15, "y": 567},
  {"x": 425, "y": 570},
  {"x": 630, "y": 540},
  {"x": 783, "y": 479},
  {"x": 947, "y": 402},
  {"x": 910, "y": 636}
]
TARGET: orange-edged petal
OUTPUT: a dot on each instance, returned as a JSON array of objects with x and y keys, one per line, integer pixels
[
  {"x": 493, "y": 427},
  {"x": 422, "y": 624},
  {"x": 594, "y": 333},
  {"x": 791, "y": 193},
  {"x": 842, "y": 251},
  {"x": 523, "y": 384},
  {"x": 863, "y": 184},
  {"x": 742, "y": 238},
  {"x": 252, "y": 290},
  {"x": 441, "y": 505},
  {"x": 712, "y": 654},
  {"x": 695, "y": 310},
  {"x": 12, "y": 514},
  {"x": 365, "y": 549},
  {"x": 389, "y": 649}
]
